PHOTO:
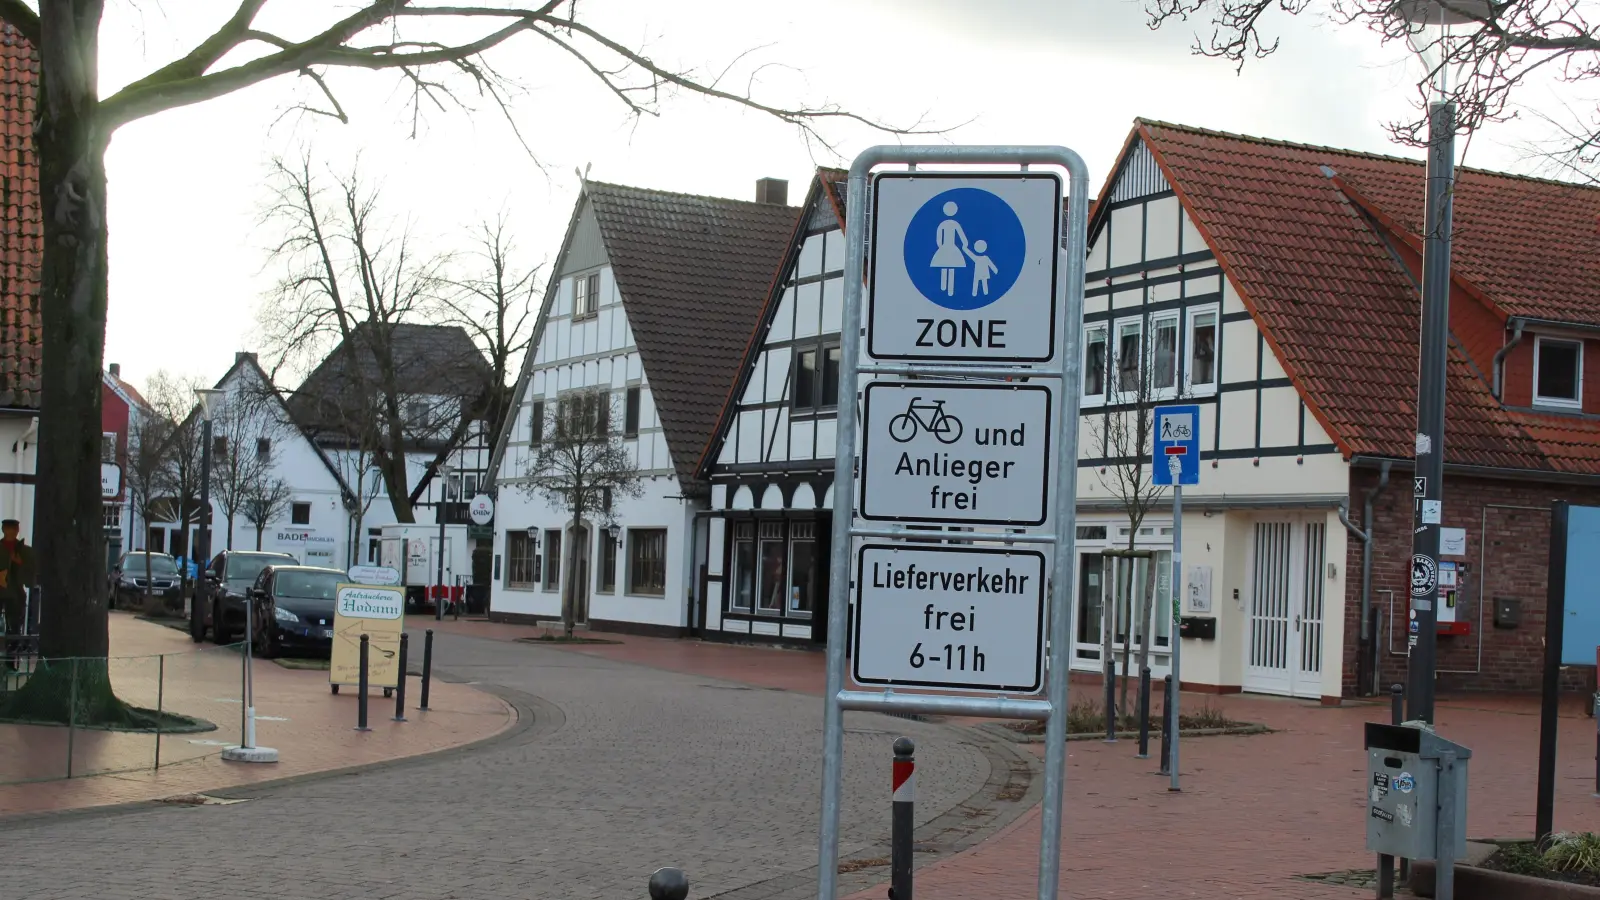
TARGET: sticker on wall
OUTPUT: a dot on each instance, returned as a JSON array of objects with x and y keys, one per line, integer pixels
[
  {"x": 1379, "y": 793},
  {"x": 1403, "y": 813},
  {"x": 1380, "y": 779},
  {"x": 1405, "y": 784},
  {"x": 1424, "y": 575},
  {"x": 1384, "y": 814}
]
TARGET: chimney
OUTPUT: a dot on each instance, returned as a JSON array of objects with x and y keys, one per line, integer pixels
[
  {"x": 242, "y": 355},
  {"x": 115, "y": 369},
  {"x": 772, "y": 190}
]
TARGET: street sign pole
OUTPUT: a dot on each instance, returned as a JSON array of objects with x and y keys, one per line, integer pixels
[
  {"x": 1176, "y": 463},
  {"x": 1177, "y": 621},
  {"x": 996, "y": 265}
]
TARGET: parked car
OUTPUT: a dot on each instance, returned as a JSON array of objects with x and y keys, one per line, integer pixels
[
  {"x": 295, "y": 609},
  {"x": 219, "y": 597},
  {"x": 128, "y": 579}
]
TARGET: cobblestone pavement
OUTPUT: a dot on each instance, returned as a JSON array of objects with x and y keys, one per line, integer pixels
[{"x": 614, "y": 769}]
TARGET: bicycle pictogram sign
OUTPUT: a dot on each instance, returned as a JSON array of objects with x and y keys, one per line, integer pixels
[{"x": 921, "y": 416}]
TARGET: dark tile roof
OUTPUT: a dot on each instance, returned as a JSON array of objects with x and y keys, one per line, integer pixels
[
  {"x": 436, "y": 360},
  {"x": 21, "y": 224},
  {"x": 693, "y": 273},
  {"x": 1341, "y": 314}
]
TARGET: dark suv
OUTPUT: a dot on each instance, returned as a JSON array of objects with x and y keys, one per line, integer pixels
[
  {"x": 136, "y": 567},
  {"x": 219, "y": 598}
]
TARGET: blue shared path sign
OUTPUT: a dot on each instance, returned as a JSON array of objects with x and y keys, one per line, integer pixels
[{"x": 1177, "y": 446}]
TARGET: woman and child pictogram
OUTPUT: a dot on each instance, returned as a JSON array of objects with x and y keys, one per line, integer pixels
[{"x": 954, "y": 251}]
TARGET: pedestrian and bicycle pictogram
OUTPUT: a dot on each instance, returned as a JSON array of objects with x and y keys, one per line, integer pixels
[{"x": 929, "y": 417}]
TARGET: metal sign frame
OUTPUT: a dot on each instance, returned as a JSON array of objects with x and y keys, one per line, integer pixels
[{"x": 1065, "y": 371}]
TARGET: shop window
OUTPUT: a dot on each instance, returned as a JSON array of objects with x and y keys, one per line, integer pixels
[
  {"x": 802, "y": 568},
  {"x": 1091, "y": 603},
  {"x": 774, "y": 583},
  {"x": 520, "y": 560},
  {"x": 744, "y": 566},
  {"x": 1557, "y": 372},
  {"x": 552, "y": 559},
  {"x": 647, "y": 561}
]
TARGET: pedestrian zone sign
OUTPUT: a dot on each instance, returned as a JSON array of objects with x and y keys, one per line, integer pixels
[
  {"x": 1177, "y": 445},
  {"x": 964, "y": 267}
]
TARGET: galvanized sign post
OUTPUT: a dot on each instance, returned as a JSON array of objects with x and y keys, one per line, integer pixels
[
  {"x": 970, "y": 418},
  {"x": 1176, "y": 463}
]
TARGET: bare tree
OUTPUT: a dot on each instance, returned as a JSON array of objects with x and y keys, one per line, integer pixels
[
  {"x": 173, "y": 397},
  {"x": 266, "y": 499},
  {"x": 581, "y": 466},
  {"x": 349, "y": 282},
  {"x": 433, "y": 50},
  {"x": 490, "y": 294},
  {"x": 1498, "y": 47},
  {"x": 144, "y": 476},
  {"x": 244, "y": 429},
  {"x": 1125, "y": 435}
]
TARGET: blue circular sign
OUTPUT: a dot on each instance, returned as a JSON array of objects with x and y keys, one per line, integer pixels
[{"x": 965, "y": 248}]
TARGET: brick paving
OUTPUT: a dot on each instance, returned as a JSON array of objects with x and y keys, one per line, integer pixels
[
  {"x": 614, "y": 769},
  {"x": 311, "y": 728}
]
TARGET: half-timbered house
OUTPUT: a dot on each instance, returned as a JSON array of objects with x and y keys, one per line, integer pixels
[{"x": 645, "y": 321}]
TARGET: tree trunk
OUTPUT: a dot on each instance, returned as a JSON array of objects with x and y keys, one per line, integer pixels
[
  {"x": 72, "y": 307},
  {"x": 1108, "y": 616},
  {"x": 569, "y": 587},
  {"x": 1147, "y": 606},
  {"x": 230, "y": 531},
  {"x": 259, "y": 529}
]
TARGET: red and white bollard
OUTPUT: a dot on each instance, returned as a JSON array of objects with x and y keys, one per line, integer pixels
[{"x": 904, "y": 799}]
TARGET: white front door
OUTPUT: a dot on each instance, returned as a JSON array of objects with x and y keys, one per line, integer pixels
[{"x": 1283, "y": 646}]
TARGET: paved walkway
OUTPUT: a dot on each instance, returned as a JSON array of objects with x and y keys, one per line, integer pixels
[
  {"x": 312, "y": 729},
  {"x": 613, "y": 770}
]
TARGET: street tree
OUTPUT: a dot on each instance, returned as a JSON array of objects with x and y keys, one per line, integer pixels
[
  {"x": 581, "y": 466},
  {"x": 144, "y": 476},
  {"x": 434, "y": 51},
  {"x": 265, "y": 499},
  {"x": 244, "y": 427},
  {"x": 1492, "y": 55},
  {"x": 173, "y": 397},
  {"x": 1125, "y": 435},
  {"x": 488, "y": 292}
]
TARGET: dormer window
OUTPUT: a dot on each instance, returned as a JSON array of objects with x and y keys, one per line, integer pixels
[{"x": 1557, "y": 372}]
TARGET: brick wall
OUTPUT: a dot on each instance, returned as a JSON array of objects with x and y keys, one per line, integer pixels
[{"x": 1508, "y": 551}]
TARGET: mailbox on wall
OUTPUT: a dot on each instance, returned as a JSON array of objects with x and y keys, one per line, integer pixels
[{"x": 1202, "y": 627}]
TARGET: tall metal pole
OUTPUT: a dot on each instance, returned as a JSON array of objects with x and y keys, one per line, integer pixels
[
  {"x": 201, "y": 552},
  {"x": 1176, "y": 638},
  {"x": 1433, "y": 357},
  {"x": 438, "y": 601}
]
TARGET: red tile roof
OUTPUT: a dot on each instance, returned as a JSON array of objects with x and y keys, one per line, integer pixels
[
  {"x": 1341, "y": 314},
  {"x": 693, "y": 272},
  {"x": 21, "y": 225}
]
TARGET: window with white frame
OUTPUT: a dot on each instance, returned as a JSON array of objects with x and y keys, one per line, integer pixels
[
  {"x": 521, "y": 568},
  {"x": 1164, "y": 355},
  {"x": 1130, "y": 344},
  {"x": 1557, "y": 372},
  {"x": 585, "y": 295},
  {"x": 1201, "y": 372},
  {"x": 1094, "y": 364},
  {"x": 744, "y": 566},
  {"x": 647, "y": 561}
]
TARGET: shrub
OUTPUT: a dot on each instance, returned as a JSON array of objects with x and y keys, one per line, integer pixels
[{"x": 1574, "y": 851}]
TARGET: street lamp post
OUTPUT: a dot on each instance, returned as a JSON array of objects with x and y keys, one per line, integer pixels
[
  {"x": 443, "y": 471},
  {"x": 202, "y": 550},
  {"x": 1432, "y": 19}
]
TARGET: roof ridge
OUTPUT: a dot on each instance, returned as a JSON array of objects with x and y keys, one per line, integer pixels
[
  {"x": 685, "y": 196},
  {"x": 1358, "y": 154}
]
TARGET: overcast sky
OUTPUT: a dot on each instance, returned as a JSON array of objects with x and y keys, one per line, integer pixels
[{"x": 189, "y": 267}]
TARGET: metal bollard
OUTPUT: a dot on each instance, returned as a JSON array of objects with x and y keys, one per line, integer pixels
[
  {"x": 427, "y": 668},
  {"x": 1111, "y": 701},
  {"x": 400, "y": 682},
  {"x": 1597, "y": 745},
  {"x": 1144, "y": 714},
  {"x": 361, "y": 690},
  {"x": 1166, "y": 728},
  {"x": 1397, "y": 700},
  {"x": 901, "y": 821},
  {"x": 669, "y": 883}
]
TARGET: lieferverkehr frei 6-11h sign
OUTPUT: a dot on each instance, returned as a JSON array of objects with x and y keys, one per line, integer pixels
[{"x": 964, "y": 267}]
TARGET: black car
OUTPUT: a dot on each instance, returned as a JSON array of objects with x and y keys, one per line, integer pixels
[
  {"x": 220, "y": 596},
  {"x": 295, "y": 608},
  {"x": 135, "y": 569}
]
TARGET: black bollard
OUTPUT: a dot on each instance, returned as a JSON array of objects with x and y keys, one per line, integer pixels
[
  {"x": 427, "y": 668},
  {"x": 1397, "y": 700},
  {"x": 361, "y": 697},
  {"x": 668, "y": 883},
  {"x": 1166, "y": 729},
  {"x": 1144, "y": 714},
  {"x": 1111, "y": 701},
  {"x": 901, "y": 822},
  {"x": 400, "y": 682}
]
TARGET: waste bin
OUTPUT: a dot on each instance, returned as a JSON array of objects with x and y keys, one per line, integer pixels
[{"x": 1412, "y": 799}]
